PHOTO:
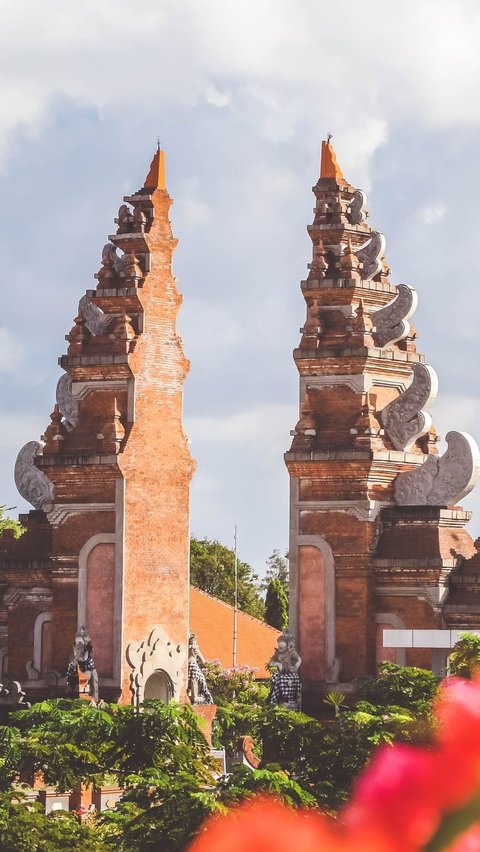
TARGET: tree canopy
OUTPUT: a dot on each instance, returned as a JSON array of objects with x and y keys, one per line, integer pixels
[
  {"x": 212, "y": 569},
  {"x": 7, "y": 523},
  {"x": 276, "y": 605}
]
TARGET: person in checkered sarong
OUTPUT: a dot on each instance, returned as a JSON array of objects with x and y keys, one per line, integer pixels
[{"x": 285, "y": 686}]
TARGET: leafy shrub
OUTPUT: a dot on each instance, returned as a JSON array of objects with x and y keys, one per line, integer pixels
[
  {"x": 465, "y": 657},
  {"x": 403, "y": 686},
  {"x": 234, "y": 684}
]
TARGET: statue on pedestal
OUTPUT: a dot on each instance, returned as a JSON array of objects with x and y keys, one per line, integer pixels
[
  {"x": 82, "y": 677},
  {"x": 285, "y": 686},
  {"x": 197, "y": 689}
]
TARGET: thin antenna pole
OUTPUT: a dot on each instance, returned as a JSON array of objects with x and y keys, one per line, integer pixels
[{"x": 235, "y": 603}]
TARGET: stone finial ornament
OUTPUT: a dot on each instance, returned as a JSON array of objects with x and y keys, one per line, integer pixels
[
  {"x": 31, "y": 482},
  {"x": 404, "y": 419},
  {"x": 13, "y": 695},
  {"x": 82, "y": 677},
  {"x": 197, "y": 688},
  {"x": 66, "y": 402},
  {"x": 371, "y": 254},
  {"x": 356, "y": 212},
  {"x": 441, "y": 480},
  {"x": 285, "y": 687},
  {"x": 391, "y": 321},
  {"x": 96, "y": 320}
]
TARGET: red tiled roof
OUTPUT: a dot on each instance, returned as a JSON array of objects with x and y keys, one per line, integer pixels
[{"x": 212, "y": 622}]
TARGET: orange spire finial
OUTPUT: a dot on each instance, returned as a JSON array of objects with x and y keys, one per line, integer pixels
[
  {"x": 156, "y": 176},
  {"x": 329, "y": 167}
]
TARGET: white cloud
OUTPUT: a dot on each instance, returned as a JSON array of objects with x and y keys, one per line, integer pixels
[
  {"x": 11, "y": 351},
  {"x": 268, "y": 426},
  {"x": 431, "y": 213}
]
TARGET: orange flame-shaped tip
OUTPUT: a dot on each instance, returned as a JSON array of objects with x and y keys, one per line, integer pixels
[{"x": 156, "y": 176}]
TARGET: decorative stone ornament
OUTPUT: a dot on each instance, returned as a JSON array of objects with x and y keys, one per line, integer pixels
[
  {"x": 96, "y": 320},
  {"x": 31, "y": 482},
  {"x": 82, "y": 677},
  {"x": 197, "y": 688},
  {"x": 66, "y": 402},
  {"x": 157, "y": 654},
  {"x": 444, "y": 480},
  {"x": 371, "y": 254},
  {"x": 391, "y": 321},
  {"x": 356, "y": 212},
  {"x": 404, "y": 419}
]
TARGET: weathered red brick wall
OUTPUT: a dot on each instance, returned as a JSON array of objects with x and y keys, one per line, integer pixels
[
  {"x": 100, "y": 605},
  {"x": 311, "y": 638}
]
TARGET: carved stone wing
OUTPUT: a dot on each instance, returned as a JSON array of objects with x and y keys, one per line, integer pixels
[
  {"x": 403, "y": 419},
  {"x": 391, "y": 321},
  {"x": 31, "y": 482},
  {"x": 441, "y": 481},
  {"x": 356, "y": 212},
  {"x": 96, "y": 321},
  {"x": 67, "y": 404},
  {"x": 110, "y": 256},
  {"x": 370, "y": 255}
]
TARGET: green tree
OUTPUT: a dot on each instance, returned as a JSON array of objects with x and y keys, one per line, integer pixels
[
  {"x": 276, "y": 604},
  {"x": 464, "y": 660},
  {"x": 212, "y": 569},
  {"x": 277, "y": 569},
  {"x": 7, "y": 523}
]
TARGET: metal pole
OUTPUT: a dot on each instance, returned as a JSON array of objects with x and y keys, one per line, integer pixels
[{"x": 235, "y": 604}]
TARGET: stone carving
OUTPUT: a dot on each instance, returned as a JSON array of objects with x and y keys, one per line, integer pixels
[
  {"x": 444, "y": 480},
  {"x": 356, "y": 212},
  {"x": 197, "y": 689},
  {"x": 12, "y": 695},
  {"x": 96, "y": 320},
  {"x": 82, "y": 677},
  {"x": 66, "y": 402},
  {"x": 285, "y": 686},
  {"x": 157, "y": 653},
  {"x": 403, "y": 419},
  {"x": 371, "y": 254},
  {"x": 31, "y": 482},
  {"x": 391, "y": 321}
]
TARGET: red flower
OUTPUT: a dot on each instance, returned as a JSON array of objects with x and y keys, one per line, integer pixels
[
  {"x": 398, "y": 803},
  {"x": 265, "y": 825}
]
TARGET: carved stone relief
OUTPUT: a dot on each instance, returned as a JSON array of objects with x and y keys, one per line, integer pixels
[
  {"x": 391, "y": 321},
  {"x": 356, "y": 212},
  {"x": 444, "y": 480},
  {"x": 66, "y": 402},
  {"x": 371, "y": 254},
  {"x": 157, "y": 653},
  {"x": 31, "y": 482},
  {"x": 403, "y": 419},
  {"x": 96, "y": 320}
]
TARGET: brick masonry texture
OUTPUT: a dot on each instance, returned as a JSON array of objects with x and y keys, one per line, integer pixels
[{"x": 398, "y": 566}]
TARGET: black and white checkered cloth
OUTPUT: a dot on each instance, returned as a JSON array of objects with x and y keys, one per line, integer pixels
[
  {"x": 285, "y": 689},
  {"x": 195, "y": 673}
]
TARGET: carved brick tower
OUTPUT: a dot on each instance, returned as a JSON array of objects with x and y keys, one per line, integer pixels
[
  {"x": 374, "y": 527},
  {"x": 107, "y": 545}
]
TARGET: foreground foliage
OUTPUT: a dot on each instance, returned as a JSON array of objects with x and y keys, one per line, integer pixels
[
  {"x": 409, "y": 799},
  {"x": 161, "y": 759}
]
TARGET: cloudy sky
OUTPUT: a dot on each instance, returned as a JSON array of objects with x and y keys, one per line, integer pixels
[{"x": 241, "y": 95}]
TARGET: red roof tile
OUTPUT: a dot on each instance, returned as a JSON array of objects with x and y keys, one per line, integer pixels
[{"x": 212, "y": 622}]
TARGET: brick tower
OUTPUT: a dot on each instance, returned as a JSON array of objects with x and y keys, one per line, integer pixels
[
  {"x": 374, "y": 527},
  {"x": 107, "y": 544}
]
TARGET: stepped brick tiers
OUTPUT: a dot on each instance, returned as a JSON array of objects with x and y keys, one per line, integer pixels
[
  {"x": 377, "y": 539},
  {"x": 106, "y": 546}
]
